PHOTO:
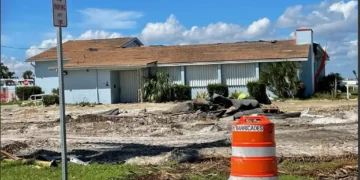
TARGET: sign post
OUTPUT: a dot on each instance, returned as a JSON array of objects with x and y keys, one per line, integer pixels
[{"x": 60, "y": 20}]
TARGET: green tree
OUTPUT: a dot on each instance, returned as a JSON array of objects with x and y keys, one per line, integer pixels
[
  {"x": 354, "y": 72},
  {"x": 4, "y": 71},
  {"x": 28, "y": 74},
  {"x": 10, "y": 75},
  {"x": 281, "y": 78},
  {"x": 327, "y": 83}
]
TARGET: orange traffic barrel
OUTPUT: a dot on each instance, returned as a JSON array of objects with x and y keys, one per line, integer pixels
[{"x": 253, "y": 149}]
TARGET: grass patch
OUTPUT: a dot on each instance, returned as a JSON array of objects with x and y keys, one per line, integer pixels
[
  {"x": 17, "y": 171},
  {"x": 210, "y": 169},
  {"x": 314, "y": 168},
  {"x": 11, "y": 103}
]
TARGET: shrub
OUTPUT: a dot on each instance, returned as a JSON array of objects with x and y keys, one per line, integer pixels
[
  {"x": 55, "y": 91},
  {"x": 86, "y": 103},
  {"x": 238, "y": 95},
  {"x": 157, "y": 88},
  {"x": 300, "y": 90},
  {"x": 181, "y": 92},
  {"x": 257, "y": 90},
  {"x": 24, "y": 93},
  {"x": 235, "y": 94},
  {"x": 221, "y": 89},
  {"x": 50, "y": 100},
  {"x": 326, "y": 83},
  {"x": 202, "y": 95},
  {"x": 281, "y": 77}
]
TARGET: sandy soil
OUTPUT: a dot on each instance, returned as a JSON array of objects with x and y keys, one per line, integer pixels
[{"x": 150, "y": 139}]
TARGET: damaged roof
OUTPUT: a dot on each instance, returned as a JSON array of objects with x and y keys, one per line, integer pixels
[
  {"x": 74, "y": 47},
  {"x": 136, "y": 56}
]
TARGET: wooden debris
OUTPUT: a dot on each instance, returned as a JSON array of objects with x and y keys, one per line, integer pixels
[{"x": 10, "y": 157}]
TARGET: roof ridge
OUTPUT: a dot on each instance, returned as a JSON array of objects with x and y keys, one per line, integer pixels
[
  {"x": 214, "y": 44},
  {"x": 103, "y": 39}
]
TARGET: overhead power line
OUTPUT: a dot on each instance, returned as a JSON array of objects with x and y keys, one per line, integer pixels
[{"x": 10, "y": 47}]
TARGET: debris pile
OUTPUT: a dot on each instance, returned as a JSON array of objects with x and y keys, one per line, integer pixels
[
  {"x": 8, "y": 157},
  {"x": 199, "y": 110},
  {"x": 14, "y": 147},
  {"x": 219, "y": 106}
]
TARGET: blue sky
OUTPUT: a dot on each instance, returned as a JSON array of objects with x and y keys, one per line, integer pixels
[{"x": 29, "y": 25}]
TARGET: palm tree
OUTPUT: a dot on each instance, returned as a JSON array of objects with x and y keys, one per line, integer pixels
[
  {"x": 4, "y": 70},
  {"x": 10, "y": 75},
  {"x": 354, "y": 72},
  {"x": 28, "y": 74}
]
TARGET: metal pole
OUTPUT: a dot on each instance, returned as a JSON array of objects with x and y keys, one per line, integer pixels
[{"x": 61, "y": 103}]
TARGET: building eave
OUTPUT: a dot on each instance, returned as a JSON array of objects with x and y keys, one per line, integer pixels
[
  {"x": 122, "y": 67},
  {"x": 45, "y": 60},
  {"x": 231, "y": 62},
  {"x": 322, "y": 51}
]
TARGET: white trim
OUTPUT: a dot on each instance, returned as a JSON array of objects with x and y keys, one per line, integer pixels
[
  {"x": 253, "y": 178},
  {"x": 182, "y": 75},
  {"x": 253, "y": 151},
  {"x": 219, "y": 69},
  {"x": 230, "y": 62},
  {"x": 45, "y": 60},
  {"x": 257, "y": 70},
  {"x": 104, "y": 68}
]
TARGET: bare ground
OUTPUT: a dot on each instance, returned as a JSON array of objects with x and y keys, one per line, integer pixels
[{"x": 150, "y": 139}]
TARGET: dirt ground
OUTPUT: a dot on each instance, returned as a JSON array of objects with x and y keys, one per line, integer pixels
[{"x": 149, "y": 140}]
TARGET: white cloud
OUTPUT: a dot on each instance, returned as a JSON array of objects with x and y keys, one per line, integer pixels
[
  {"x": 344, "y": 8},
  {"x": 49, "y": 43},
  {"x": 318, "y": 14},
  {"x": 170, "y": 30},
  {"x": 329, "y": 21},
  {"x": 44, "y": 45},
  {"x": 174, "y": 32},
  {"x": 110, "y": 19},
  {"x": 15, "y": 65},
  {"x": 259, "y": 27},
  {"x": 98, "y": 35},
  {"x": 332, "y": 22}
]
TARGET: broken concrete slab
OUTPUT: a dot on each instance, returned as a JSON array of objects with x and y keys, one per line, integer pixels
[
  {"x": 221, "y": 100},
  {"x": 245, "y": 104}
]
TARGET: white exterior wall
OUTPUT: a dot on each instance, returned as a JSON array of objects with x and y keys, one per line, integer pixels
[
  {"x": 198, "y": 77},
  {"x": 45, "y": 78},
  {"x": 236, "y": 76},
  {"x": 174, "y": 72},
  {"x": 81, "y": 86}
]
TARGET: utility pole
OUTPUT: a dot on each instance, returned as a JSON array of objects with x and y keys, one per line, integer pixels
[{"x": 335, "y": 93}]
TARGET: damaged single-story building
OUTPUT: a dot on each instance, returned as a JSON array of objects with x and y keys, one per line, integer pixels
[{"x": 111, "y": 70}]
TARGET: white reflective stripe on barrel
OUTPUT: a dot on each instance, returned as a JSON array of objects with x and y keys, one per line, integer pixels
[
  {"x": 253, "y": 178},
  {"x": 253, "y": 151}
]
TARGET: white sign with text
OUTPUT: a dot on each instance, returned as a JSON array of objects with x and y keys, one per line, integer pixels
[{"x": 59, "y": 13}]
